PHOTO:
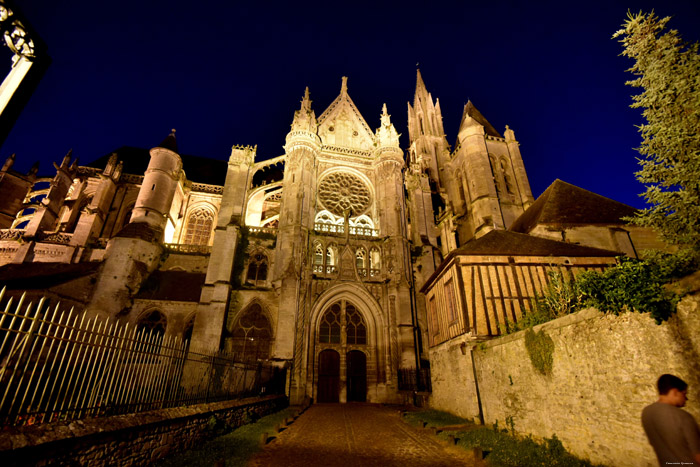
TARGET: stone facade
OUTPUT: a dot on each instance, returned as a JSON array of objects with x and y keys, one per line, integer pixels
[
  {"x": 312, "y": 259},
  {"x": 136, "y": 439},
  {"x": 604, "y": 373}
]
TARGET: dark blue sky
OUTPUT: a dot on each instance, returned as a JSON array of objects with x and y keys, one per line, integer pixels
[{"x": 124, "y": 73}]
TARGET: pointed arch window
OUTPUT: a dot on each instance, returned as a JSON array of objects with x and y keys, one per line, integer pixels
[
  {"x": 252, "y": 335},
  {"x": 331, "y": 259},
  {"x": 340, "y": 316},
  {"x": 329, "y": 331},
  {"x": 199, "y": 226},
  {"x": 153, "y": 322},
  {"x": 257, "y": 269},
  {"x": 361, "y": 262},
  {"x": 318, "y": 257},
  {"x": 355, "y": 327},
  {"x": 375, "y": 262}
]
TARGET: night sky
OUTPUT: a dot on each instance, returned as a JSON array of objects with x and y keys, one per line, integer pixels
[{"x": 125, "y": 73}]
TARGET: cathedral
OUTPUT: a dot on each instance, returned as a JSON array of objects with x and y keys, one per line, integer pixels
[{"x": 314, "y": 259}]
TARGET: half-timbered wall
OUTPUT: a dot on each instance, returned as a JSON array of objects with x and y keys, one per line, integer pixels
[{"x": 480, "y": 294}]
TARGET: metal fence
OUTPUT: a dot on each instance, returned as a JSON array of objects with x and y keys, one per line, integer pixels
[
  {"x": 58, "y": 365},
  {"x": 412, "y": 380}
]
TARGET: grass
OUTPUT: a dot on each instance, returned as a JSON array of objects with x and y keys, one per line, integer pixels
[
  {"x": 235, "y": 448},
  {"x": 500, "y": 448}
]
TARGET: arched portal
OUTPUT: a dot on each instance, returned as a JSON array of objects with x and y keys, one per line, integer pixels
[{"x": 349, "y": 321}]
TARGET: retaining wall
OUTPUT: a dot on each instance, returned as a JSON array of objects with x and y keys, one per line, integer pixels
[
  {"x": 129, "y": 440},
  {"x": 604, "y": 372}
]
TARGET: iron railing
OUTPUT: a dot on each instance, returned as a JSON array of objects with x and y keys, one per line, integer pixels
[
  {"x": 63, "y": 365},
  {"x": 412, "y": 380}
]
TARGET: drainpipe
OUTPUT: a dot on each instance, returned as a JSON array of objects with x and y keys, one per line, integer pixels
[{"x": 476, "y": 386}]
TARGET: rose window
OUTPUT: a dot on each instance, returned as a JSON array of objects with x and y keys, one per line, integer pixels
[{"x": 341, "y": 191}]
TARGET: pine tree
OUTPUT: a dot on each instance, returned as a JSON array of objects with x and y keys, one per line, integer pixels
[{"x": 668, "y": 72}]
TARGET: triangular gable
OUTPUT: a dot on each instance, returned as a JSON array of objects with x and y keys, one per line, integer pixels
[{"x": 342, "y": 124}]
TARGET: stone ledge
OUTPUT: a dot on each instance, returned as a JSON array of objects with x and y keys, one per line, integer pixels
[{"x": 32, "y": 436}]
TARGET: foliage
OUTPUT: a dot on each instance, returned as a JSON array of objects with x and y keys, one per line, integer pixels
[
  {"x": 501, "y": 448},
  {"x": 559, "y": 298},
  {"x": 234, "y": 448},
  {"x": 540, "y": 348},
  {"x": 433, "y": 418},
  {"x": 667, "y": 70},
  {"x": 632, "y": 285}
]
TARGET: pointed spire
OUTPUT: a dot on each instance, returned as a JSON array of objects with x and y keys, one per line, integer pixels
[
  {"x": 344, "y": 86},
  {"x": 386, "y": 133},
  {"x": 305, "y": 118},
  {"x": 9, "y": 163},
  {"x": 471, "y": 115},
  {"x": 34, "y": 169},
  {"x": 170, "y": 142},
  {"x": 306, "y": 101}
]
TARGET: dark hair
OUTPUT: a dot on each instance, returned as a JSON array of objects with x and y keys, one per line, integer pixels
[{"x": 667, "y": 382}]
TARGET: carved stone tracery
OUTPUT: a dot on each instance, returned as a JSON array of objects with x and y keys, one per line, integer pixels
[{"x": 340, "y": 192}]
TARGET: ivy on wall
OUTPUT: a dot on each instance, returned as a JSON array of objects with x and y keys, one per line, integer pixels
[{"x": 540, "y": 348}]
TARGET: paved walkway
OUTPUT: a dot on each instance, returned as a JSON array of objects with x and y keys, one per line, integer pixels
[{"x": 357, "y": 435}]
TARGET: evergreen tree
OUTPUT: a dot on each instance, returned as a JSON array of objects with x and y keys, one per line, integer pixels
[{"x": 668, "y": 72}]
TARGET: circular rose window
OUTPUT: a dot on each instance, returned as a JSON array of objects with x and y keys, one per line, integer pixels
[{"x": 341, "y": 191}]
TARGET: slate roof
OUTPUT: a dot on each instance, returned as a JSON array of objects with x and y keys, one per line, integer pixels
[
  {"x": 563, "y": 204},
  {"x": 173, "y": 285},
  {"x": 504, "y": 242},
  {"x": 198, "y": 169},
  {"x": 43, "y": 275}
]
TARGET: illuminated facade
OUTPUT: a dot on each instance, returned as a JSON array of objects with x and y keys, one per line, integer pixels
[{"x": 313, "y": 259}]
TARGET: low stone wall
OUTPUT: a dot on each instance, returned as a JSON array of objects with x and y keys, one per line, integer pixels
[
  {"x": 129, "y": 440},
  {"x": 603, "y": 374}
]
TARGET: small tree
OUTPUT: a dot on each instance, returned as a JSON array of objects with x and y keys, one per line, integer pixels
[{"x": 668, "y": 72}]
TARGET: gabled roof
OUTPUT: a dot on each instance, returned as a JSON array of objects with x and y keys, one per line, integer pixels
[
  {"x": 507, "y": 243},
  {"x": 343, "y": 103},
  {"x": 198, "y": 169},
  {"x": 474, "y": 113},
  {"x": 563, "y": 204}
]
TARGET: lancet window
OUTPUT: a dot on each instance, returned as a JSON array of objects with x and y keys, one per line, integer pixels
[
  {"x": 375, "y": 262},
  {"x": 199, "y": 226},
  {"x": 252, "y": 335},
  {"x": 329, "y": 331},
  {"x": 257, "y": 269},
  {"x": 361, "y": 262},
  {"x": 355, "y": 327}
]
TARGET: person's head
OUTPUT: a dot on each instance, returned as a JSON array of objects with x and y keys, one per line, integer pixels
[{"x": 672, "y": 390}]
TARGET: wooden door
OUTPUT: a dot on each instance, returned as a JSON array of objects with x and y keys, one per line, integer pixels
[
  {"x": 328, "y": 376},
  {"x": 357, "y": 376}
]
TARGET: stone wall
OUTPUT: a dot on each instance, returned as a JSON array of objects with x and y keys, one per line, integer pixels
[
  {"x": 134, "y": 439},
  {"x": 604, "y": 372}
]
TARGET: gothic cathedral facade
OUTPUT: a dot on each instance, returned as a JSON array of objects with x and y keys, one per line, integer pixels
[{"x": 312, "y": 259}]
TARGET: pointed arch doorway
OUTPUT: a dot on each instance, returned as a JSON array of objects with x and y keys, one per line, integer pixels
[{"x": 342, "y": 343}]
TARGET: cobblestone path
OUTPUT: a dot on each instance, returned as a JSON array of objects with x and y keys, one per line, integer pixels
[{"x": 358, "y": 435}]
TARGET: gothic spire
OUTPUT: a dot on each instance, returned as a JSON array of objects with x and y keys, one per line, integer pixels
[
  {"x": 305, "y": 118},
  {"x": 170, "y": 142}
]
